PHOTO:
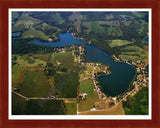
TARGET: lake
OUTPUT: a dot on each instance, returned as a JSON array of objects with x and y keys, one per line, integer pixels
[
  {"x": 146, "y": 39},
  {"x": 15, "y": 34},
  {"x": 114, "y": 83}
]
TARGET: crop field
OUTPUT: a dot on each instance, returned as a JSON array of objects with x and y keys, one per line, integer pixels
[
  {"x": 35, "y": 84},
  {"x": 67, "y": 84},
  {"x": 119, "y": 43},
  {"x": 18, "y": 73},
  {"x": 92, "y": 97},
  {"x": 133, "y": 53},
  {"x": 32, "y": 33},
  {"x": 64, "y": 60},
  {"x": 71, "y": 108},
  {"x": 18, "y": 105}
]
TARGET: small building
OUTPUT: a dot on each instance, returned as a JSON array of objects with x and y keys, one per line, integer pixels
[{"x": 83, "y": 96}]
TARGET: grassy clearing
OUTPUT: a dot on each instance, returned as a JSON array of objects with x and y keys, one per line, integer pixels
[
  {"x": 95, "y": 27},
  {"x": 32, "y": 33},
  {"x": 133, "y": 53},
  {"x": 92, "y": 97},
  {"x": 67, "y": 84},
  {"x": 71, "y": 108},
  {"x": 118, "y": 110},
  {"x": 119, "y": 43},
  {"x": 35, "y": 84}
]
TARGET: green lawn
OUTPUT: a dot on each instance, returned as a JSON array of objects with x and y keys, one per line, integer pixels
[
  {"x": 35, "y": 84},
  {"x": 118, "y": 42},
  {"x": 92, "y": 97}
]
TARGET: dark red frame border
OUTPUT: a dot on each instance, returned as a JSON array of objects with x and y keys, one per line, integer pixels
[{"x": 6, "y": 4}]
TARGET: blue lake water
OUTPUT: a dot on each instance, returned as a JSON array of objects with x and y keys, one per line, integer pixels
[
  {"x": 114, "y": 83},
  {"x": 146, "y": 39},
  {"x": 15, "y": 34}
]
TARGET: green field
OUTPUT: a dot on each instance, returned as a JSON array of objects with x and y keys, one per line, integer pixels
[
  {"x": 95, "y": 27},
  {"x": 18, "y": 73},
  {"x": 114, "y": 31},
  {"x": 64, "y": 60},
  {"x": 18, "y": 105},
  {"x": 25, "y": 61},
  {"x": 92, "y": 97},
  {"x": 32, "y": 33},
  {"x": 71, "y": 108},
  {"x": 35, "y": 84},
  {"x": 133, "y": 53},
  {"x": 119, "y": 43},
  {"x": 67, "y": 84}
]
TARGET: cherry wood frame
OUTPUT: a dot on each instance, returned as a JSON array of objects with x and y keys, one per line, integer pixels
[{"x": 4, "y": 39}]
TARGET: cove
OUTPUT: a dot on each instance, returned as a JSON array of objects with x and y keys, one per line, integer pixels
[{"x": 112, "y": 84}]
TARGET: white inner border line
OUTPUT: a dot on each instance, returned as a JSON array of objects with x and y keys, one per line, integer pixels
[{"x": 80, "y": 117}]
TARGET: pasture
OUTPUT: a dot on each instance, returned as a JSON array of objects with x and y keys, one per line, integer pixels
[
  {"x": 92, "y": 97},
  {"x": 118, "y": 42},
  {"x": 35, "y": 84},
  {"x": 133, "y": 53},
  {"x": 32, "y": 33},
  {"x": 67, "y": 84}
]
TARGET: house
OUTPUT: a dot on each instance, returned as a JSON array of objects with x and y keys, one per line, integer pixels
[{"x": 83, "y": 96}]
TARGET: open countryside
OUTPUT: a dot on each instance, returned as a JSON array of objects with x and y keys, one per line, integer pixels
[{"x": 80, "y": 63}]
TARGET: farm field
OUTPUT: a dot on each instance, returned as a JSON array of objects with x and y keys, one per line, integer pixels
[
  {"x": 133, "y": 53},
  {"x": 71, "y": 108},
  {"x": 118, "y": 110},
  {"x": 92, "y": 97},
  {"x": 118, "y": 42},
  {"x": 32, "y": 33},
  {"x": 35, "y": 84}
]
